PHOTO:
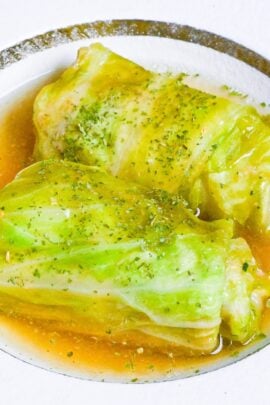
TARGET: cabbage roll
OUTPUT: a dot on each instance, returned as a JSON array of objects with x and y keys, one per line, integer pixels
[
  {"x": 153, "y": 129},
  {"x": 111, "y": 258}
]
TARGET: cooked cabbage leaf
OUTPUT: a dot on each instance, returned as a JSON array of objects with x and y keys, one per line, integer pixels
[
  {"x": 80, "y": 246},
  {"x": 152, "y": 128}
]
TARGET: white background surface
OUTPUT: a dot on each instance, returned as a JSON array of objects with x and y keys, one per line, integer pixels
[{"x": 248, "y": 382}]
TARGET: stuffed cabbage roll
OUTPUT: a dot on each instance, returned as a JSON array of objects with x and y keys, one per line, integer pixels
[
  {"x": 111, "y": 258},
  {"x": 153, "y": 129}
]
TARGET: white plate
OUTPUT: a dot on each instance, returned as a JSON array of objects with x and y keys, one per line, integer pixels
[{"x": 215, "y": 69}]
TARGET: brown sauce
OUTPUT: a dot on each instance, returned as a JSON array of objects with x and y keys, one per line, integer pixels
[
  {"x": 89, "y": 355},
  {"x": 16, "y": 139},
  {"x": 261, "y": 251}
]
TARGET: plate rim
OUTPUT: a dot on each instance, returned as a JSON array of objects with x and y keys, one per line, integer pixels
[{"x": 132, "y": 27}]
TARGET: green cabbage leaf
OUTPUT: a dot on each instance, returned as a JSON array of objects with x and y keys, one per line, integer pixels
[
  {"x": 79, "y": 245},
  {"x": 153, "y": 129}
]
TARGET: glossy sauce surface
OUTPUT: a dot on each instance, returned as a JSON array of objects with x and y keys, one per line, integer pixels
[
  {"x": 87, "y": 354},
  {"x": 16, "y": 139}
]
